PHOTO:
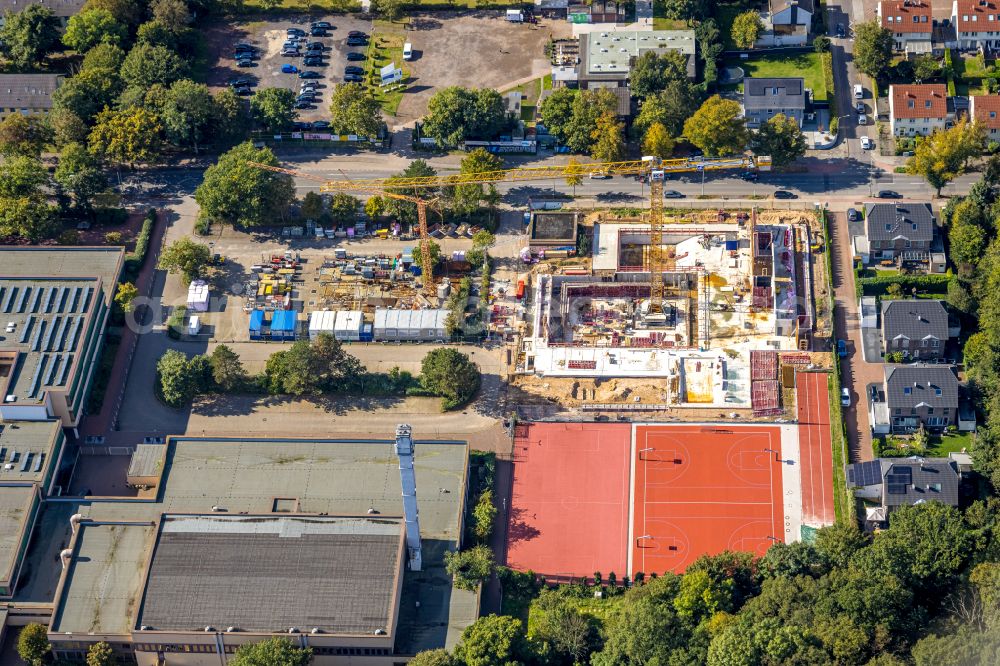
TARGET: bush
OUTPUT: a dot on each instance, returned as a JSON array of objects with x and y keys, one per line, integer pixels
[
  {"x": 134, "y": 261},
  {"x": 110, "y": 217},
  {"x": 69, "y": 237},
  {"x": 834, "y": 125},
  {"x": 113, "y": 238},
  {"x": 203, "y": 226},
  {"x": 878, "y": 285},
  {"x": 469, "y": 567},
  {"x": 176, "y": 321}
]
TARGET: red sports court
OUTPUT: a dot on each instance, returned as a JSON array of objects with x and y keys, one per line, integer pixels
[
  {"x": 701, "y": 490},
  {"x": 816, "y": 447},
  {"x": 569, "y": 505}
]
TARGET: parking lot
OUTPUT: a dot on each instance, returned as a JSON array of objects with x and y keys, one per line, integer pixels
[{"x": 268, "y": 37}]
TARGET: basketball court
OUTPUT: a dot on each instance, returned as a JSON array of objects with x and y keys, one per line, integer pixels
[
  {"x": 703, "y": 489},
  {"x": 569, "y": 505}
]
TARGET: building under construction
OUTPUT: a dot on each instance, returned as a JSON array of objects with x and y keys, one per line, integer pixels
[{"x": 728, "y": 288}]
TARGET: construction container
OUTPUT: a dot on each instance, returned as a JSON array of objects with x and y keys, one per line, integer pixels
[{"x": 198, "y": 296}]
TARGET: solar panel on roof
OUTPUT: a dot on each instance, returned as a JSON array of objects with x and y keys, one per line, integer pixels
[
  {"x": 35, "y": 341},
  {"x": 48, "y": 335},
  {"x": 58, "y": 337},
  {"x": 8, "y": 298},
  {"x": 897, "y": 488},
  {"x": 74, "y": 332},
  {"x": 61, "y": 299},
  {"x": 67, "y": 362},
  {"x": 20, "y": 301},
  {"x": 74, "y": 302},
  {"x": 26, "y": 329},
  {"x": 904, "y": 471},
  {"x": 868, "y": 473},
  {"x": 38, "y": 463},
  {"x": 35, "y": 378},
  {"x": 37, "y": 299},
  {"x": 53, "y": 366},
  {"x": 49, "y": 293}
]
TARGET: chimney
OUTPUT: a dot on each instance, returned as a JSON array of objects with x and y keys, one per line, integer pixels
[{"x": 408, "y": 481}]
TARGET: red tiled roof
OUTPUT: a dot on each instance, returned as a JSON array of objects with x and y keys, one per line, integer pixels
[
  {"x": 977, "y": 16},
  {"x": 986, "y": 109},
  {"x": 929, "y": 100},
  {"x": 902, "y": 16}
]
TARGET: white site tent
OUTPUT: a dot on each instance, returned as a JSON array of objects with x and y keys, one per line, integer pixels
[
  {"x": 321, "y": 321},
  {"x": 347, "y": 327},
  {"x": 410, "y": 325},
  {"x": 197, "y": 300}
]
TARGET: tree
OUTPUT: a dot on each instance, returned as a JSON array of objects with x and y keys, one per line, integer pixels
[
  {"x": 103, "y": 56},
  {"x": 710, "y": 47},
  {"x": 872, "y": 48},
  {"x": 231, "y": 122},
  {"x": 450, "y": 374},
  {"x": 653, "y": 71},
  {"x": 22, "y": 177},
  {"x": 567, "y": 632},
  {"x": 821, "y": 44},
  {"x": 717, "y": 127},
  {"x": 557, "y": 111},
  {"x": 27, "y": 36},
  {"x": 925, "y": 67},
  {"x": 227, "y": 369},
  {"x": 494, "y": 640},
  {"x": 574, "y": 173},
  {"x": 781, "y": 138},
  {"x": 390, "y": 9},
  {"x": 126, "y": 293},
  {"x": 455, "y": 114},
  {"x": 88, "y": 92},
  {"x": 608, "y": 136},
  {"x": 189, "y": 113},
  {"x": 187, "y": 257},
  {"x": 67, "y": 128},
  {"x": 966, "y": 242},
  {"x": 237, "y": 193},
  {"x": 404, "y": 210},
  {"x": 943, "y": 155},
  {"x": 101, "y": 654},
  {"x": 678, "y": 102},
  {"x": 682, "y": 10},
  {"x": 33, "y": 644},
  {"x": 24, "y": 135},
  {"x": 173, "y": 14},
  {"x": 657, "y": 141},
  {"x": 313, "y": 207},
  {"x": 273, "y": 108},
  {"x": 588, "y": 106},
  {"x": 484, "y": 514},
  {"x": 87, "y": 29},
  {"x": 79, "y": 173},
  {"x": 309, "y": 368},
  {"x": 467, "y": 199},
  {"x": 28, "y": 217},
  {"x": 129, "y": 12},
  {"x": 746, "y": 29},
  {"x": 129, "y": 136},
  {"x": 344, "y": 209},
  {"x": 146, "y": 64},
  {"x": 438, "y": 657},
  {"x": 469, "y": 567},
  {"x": 179, "y": 378},
  {"x": 272, "y": 652},
  {"x": 354, "y": 110}
]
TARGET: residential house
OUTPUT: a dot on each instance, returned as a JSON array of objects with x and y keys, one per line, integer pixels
[
  {"x": 606, "y": 58},
  {"x": 899, "y": 231},
  {"x": 27, "y": 93},
  {"x": 63, "y": 9},
  {"x": 896, "y": 482},
  {"x": 986, "y": 110},
  {"x": 919, "y": 328},
  {"x": 787, "y": 22},
  {"x": 921, "y": 394},
  {"x": 917, "y": 110},
  {"x": 977, "y": 24},
  {"x": 765, "y": 98},
  {"x": 910, "y": 23}
]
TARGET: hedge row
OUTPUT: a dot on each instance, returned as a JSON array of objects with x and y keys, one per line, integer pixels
[
  {"x": 135, "y": 260},
  {"x": 932, "y": 283}
]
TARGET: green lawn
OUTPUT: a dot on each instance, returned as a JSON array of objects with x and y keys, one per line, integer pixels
[
  {"x": 305, "y": 6},
  {"x": 589, "y": 606},
  {"x": 806, "y": 65},
  {"x": 841, "y": 497},
  {"x": 386, "y": 46},
  {"x": 939, "y": 446}
]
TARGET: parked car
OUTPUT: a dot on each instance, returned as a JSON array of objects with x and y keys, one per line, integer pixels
[
  {"x": 243, "y": 55},
  {"x": 289, "y": 69},
  {"x": 353, "y": 69},
  {"x": 245, "y": 63},
  {"x": 313, "y": 61},
  {"x": 353, "y": 78},
  {"x": 325, "y": 25},
  {"x": 320, "y": 124},
  {"x": 867, "y": 143},
  {"x": 356, "y": 41},
  {"x": 785, "y": 194},
  {"x": 308, "y": 94},
  {"x": 299, "y": 125},
  {"x": 354, "y": 55},
  {"x": 243, "y": 91},
  {"x": 310, "y": 74},
  {"x": 303, "y": 104},
  {"x": 599, "y": 175},
  {"x": 357, "y": 33},
  {"x": 841, "y": 32},
  {"x": 295, "y": 32},
  {"x": 238, "y": 83},
  {"x": 845, "y": 397},
  {"x": 315, "y": 45},
  {"x": 860, "y": 107},
  {"x": 862, "y": 119},
  {"x": 318, "y": 32},
  {"x": 290, "y": 53},
  {"x": 673, "y": 194},
  {"x": 889, "y": 194},
  {"x": 243, "y": 45},
  {"x": 841, "y": 348},
  {"x": 852, "y": 214},
  {"x": 750, "y": 176}
]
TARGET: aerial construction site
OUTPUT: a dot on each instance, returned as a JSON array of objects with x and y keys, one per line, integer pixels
[{"x": 730, "y": 303}]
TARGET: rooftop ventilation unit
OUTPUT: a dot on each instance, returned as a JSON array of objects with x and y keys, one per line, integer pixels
[{"x": 408, "y": 481}]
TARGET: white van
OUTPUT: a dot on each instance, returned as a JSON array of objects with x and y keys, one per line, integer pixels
[
  {"x": 407, "y": 51},
  {"x": 859, "y": 91},
  {"x": 194, "y": 325}
]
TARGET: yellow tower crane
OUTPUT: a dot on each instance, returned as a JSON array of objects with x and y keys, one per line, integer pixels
[{"x": 653, "y": 168}]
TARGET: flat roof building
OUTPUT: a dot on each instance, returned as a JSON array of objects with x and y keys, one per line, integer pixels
[
  {"x": 606, "y": 58},
  {"x": 54, "y": 305},
  {"x": 255, "y": 537}
]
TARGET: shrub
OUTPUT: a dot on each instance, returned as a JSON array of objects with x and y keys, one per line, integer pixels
[
  {"x": 134, "y": 261},
  {"x": 110, "y": 217},
  {"x": 113, "y": 238},
  {"x": 203, "y": 226},
  {"x": 175, "y": 323},
  {"x": 69, "y": 237},
  {"x": 879, "y": 285}
]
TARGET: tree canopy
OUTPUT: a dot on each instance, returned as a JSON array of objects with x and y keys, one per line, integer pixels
[
  {"x": 781, "y": 138},
  {"x": 273, "y": 108},
  {"x": 449, "y": 373},
  {"x": 354, "y": 110},
  {"x": 943, "y": 155},
  {"x": 872, "y": 48},
  {"x": 87, "y": 29},
  {"x": 29, "y": 35},
  {"x": 187, "y": 257},
  {"x": 271, "y": 652},
  {"x": 747, "y": 27},
  {"x": 717, "y": 127},
  {"x": 455, "y": 114},
  {"x": 237, "y": 193}
]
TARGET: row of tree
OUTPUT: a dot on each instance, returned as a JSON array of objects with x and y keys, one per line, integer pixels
[{"x": 926, "y": 591}]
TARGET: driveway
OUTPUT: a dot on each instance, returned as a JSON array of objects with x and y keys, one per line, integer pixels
[{"x": 856, "y": 373}]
